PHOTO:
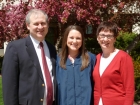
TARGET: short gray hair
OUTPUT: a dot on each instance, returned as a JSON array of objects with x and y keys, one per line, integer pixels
[{"x": 35, "y": 11}]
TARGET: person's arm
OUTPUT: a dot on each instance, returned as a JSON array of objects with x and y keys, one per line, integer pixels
[
  {"x": 127, "y": 73},
  {"x": 10, "y": 76},
  {"x": 93, "y": 60}
]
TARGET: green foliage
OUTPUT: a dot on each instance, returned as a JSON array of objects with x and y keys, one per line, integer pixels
[
  {"x": 92, "y": 45},
  {"x": 137, "y": 78},
  {"x": 124, "y": 39},
  {"x": 137, "y": 66},
  {"x": 135, "y": 52},
  {"x": 1, "y": 99},
  {"x": 137, "y": 87},
  {"x": 1, "y": 59}
]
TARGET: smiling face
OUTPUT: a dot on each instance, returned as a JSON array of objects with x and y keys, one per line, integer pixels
[
  {"x": 106, "y": 39},
  {"x": 74, "y": 41},
  {"x": 38, "y": 26}
]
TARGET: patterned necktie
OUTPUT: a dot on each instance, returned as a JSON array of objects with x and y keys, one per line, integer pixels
[{"x": 47, "y": 76}]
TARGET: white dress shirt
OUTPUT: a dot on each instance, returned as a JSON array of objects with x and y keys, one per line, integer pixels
[{"x": 49, "y": 63}]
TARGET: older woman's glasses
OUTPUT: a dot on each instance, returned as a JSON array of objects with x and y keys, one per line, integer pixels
[{"x": 102, "y": 36}]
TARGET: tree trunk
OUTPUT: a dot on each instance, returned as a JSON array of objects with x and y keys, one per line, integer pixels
[{"x": 59, "y": 37}]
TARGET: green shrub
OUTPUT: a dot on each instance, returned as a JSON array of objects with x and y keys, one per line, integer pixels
[
  {"x": 92, "y": 45},
  {"x": 1, "y": 59},
  {"x": 137, "y": 78},
  {"x": 1, "y": 98},
  {"x": 137, "y": 88},
  {"x": 124, "y": 39}
]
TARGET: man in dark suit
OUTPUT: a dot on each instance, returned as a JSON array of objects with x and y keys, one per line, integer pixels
[{"x": 23, "y": 77}]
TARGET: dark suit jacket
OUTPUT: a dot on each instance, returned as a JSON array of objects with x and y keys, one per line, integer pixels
[{"x": 22, "y": 78}]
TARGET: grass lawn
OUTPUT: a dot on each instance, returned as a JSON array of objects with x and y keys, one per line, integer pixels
[{"x": 1, "y": 99}]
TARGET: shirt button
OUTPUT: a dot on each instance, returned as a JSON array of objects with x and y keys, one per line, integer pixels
[
  {"x": 41, "y": 99},
  {"x": 43, "y": 84}
]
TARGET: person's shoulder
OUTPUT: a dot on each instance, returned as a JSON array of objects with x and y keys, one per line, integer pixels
[
  {"x": 58, "y": 56},
  {"x": 123, "y": 53},
  {"x": 99, "y": 55},
  {"x": 15, "y": 46},
  {"x": 17, "y": 42},
  {"x": 91, "y": 55},
  {"x": 57, "y": 59}
]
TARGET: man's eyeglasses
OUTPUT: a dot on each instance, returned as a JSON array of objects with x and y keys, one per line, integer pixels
[{"x": 102, "y": 36}]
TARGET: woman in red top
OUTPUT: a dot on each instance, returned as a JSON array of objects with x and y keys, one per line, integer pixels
[{"x": 113, "y": 74}]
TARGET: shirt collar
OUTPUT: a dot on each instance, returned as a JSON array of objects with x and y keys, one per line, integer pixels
[{"x": 36, "y": 42}]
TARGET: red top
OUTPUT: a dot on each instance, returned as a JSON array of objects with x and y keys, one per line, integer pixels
[{"x": 116, "y": 85}]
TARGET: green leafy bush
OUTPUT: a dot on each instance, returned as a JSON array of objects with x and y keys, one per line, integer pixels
[
  {"x": 1, "y": 98},
  {"x": 124, "y": 39},
  {"x": 137, "y": 78},
  {"x": 1, "y": 59},
  {"x": 92, "y": 45}
]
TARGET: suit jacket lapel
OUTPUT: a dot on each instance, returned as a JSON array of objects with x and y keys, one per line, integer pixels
[{"x": 32, "y": 54}]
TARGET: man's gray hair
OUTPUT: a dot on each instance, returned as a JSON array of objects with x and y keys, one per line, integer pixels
[{"x": 35, "y": 11}]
